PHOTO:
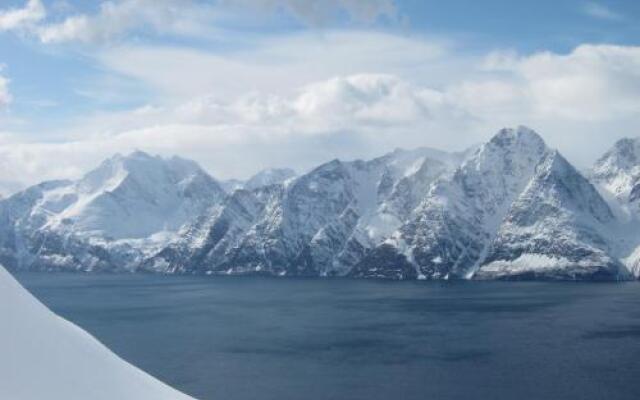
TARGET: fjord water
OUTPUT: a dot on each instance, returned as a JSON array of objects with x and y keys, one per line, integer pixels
[{"x": 258, "y": 338}]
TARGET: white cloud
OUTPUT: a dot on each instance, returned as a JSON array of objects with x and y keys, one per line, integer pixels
[
  {"x": 600, "y": 11},
  {"x": 73, "y": 28},
  {"x": 113, "y": 20},
  {"x": 5, "y": 95},
  {"x": 278, "y": 63},
  {"x": 337, "y": 104},
  {"x": 18, "y": 18},
  {"x": 593, "y": 82},
  {"x": 362, "y": 115},
  {"x": 581, "y": 101},
  {"x": 303, "y": 98},
  {"x": 368, "y": 100},
  {"x": 491, "y": 98},
  {"x": 118, "y": 18},
  {"x": 319, "y": 12}
]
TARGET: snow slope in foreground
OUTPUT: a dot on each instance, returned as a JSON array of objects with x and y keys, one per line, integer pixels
[{"x": 43, "y": 356}]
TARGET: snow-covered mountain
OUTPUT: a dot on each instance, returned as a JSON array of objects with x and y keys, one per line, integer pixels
[
  {"x": 266, "y": 177},
  {"x": 450, "y": 230},
  {"x": 320, "y": 223},
  {"x": 511, "y": 208},
  {"x": 106, "y": 219},
  {"x": 231, "y": 185},
  {"x": 47, "y": 357},
  {"x": 617, "y": 173},
  {"x": 617, "y": 176},
  {"x": 556, "y": 229},
  {"x": 271, "y": 176}
]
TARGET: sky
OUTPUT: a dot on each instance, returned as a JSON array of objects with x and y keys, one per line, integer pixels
[{"x": 242, "y": 85}]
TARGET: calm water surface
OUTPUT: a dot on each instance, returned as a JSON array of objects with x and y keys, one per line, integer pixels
[{"x": 260, "y": 338}]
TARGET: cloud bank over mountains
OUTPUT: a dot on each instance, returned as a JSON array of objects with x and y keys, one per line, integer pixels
[{"x": 241, "y": 103}]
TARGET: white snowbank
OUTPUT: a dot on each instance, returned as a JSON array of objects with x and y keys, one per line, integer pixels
[
  {"x": 534, "y": 262},
  {"x": 43, "y": 356}
]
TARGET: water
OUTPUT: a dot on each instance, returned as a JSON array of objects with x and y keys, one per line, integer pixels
[{"x": 260, "y": 338}]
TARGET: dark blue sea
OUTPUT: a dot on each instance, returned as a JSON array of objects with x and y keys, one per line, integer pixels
[{"x": 254, "y": 338}]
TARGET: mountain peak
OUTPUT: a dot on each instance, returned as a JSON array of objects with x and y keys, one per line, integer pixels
[
  {"x": 512, "y": 150},
  {"x": 145, "y": 165},
  {"x": 625, "y": 154},
  {"x": 132, "y": 156},
  {"x": 139, "y": 154},
  {"x": 163, "y": 193},
  {"x": 618, "y": 170},
  {"x": 508, "y": 136},
  {"x": 268, "y": 177},
  {"x": 138, "y": 157}
]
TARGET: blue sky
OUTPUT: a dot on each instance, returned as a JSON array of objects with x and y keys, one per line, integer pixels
[
  {"x": 241, "y": 85},
  {"x": 529, "y": 26}
]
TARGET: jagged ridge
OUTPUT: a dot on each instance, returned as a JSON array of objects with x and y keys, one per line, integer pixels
[{"x": 509, "y": 209}]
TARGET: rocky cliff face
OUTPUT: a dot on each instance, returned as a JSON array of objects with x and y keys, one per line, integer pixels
[{"x": 554, "y": 230}]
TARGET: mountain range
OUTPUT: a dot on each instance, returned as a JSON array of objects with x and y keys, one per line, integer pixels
[{"x": 510, "y": 208}]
